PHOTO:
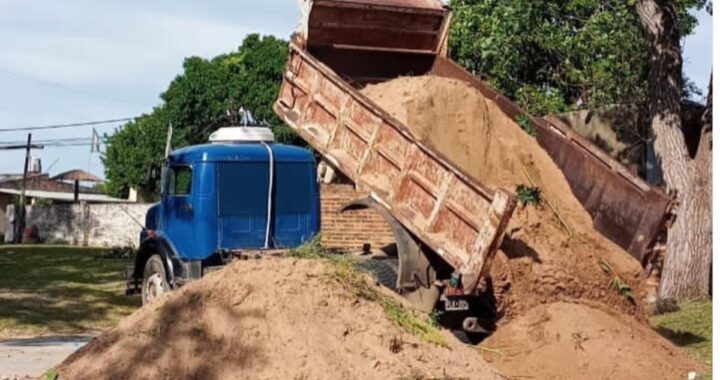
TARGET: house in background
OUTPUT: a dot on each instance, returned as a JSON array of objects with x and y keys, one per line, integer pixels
[{"x": 70, "y": 187}]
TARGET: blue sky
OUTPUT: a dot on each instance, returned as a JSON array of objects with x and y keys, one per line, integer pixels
[{"x": 83, "y": 60}]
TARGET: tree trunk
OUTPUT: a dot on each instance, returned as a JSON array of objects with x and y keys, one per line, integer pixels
[{"x": 689, "y": 249}]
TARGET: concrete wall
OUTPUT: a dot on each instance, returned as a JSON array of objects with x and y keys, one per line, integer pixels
[
  {"x": 88, "y": 225},
  {"x": 109, "y": 225}
]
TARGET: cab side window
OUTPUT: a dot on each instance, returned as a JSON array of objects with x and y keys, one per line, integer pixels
[{"x": 179, "y": 180}]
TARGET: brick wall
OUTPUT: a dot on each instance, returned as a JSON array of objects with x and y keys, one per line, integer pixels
[{"x": 350, "y": 230}]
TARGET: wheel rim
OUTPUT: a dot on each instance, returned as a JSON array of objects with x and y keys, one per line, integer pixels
[{"x": 154, "y": 287}]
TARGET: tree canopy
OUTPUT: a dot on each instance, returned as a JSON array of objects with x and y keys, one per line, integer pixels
[
  {"x": 551, "y": 56},
  {"x": 196, "y": 103}
]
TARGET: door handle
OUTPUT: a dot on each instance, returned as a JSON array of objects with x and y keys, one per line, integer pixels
[{"x": 187, "y": 207}]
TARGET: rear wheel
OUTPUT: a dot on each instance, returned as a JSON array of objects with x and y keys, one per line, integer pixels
[
  {"x": 383, "y": 270},
  {"x": 155, "y": 282}
]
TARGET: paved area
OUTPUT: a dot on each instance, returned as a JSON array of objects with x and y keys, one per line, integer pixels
[{"x": 30, "y": 358}]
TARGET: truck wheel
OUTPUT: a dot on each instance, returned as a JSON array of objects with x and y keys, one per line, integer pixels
[
  {"x": 384, "y": 271},
  {"x": 154, "y": 282}
]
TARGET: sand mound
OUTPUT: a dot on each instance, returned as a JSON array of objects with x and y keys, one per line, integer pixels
[
  {"x": 571, "y": 341},
  {"x": 267, "y": 319},
  {"x": 540, "y": 261},
  {"x": 560, "y": 318}
]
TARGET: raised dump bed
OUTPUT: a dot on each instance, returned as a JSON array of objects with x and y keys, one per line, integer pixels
[
  {"x": 460, "y": 219},
  {"x": 347, "y": 44}
]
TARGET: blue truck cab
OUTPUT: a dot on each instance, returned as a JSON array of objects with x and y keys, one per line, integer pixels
[{"x": 240, "y": 193}]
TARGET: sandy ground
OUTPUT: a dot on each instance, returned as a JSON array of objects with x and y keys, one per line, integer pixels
[{"x": 574, "y": 341}]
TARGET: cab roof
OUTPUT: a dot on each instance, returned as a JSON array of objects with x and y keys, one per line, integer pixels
[{"x": 240, "y": 153}]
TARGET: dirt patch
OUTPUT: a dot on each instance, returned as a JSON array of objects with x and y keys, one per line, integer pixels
[
  {"x": 267, "y": 319},
  {"x": 573, "y": 341},
  {"x": 540, "y": 261}
]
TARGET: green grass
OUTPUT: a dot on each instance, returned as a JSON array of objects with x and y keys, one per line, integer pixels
[
  {"x": 60, "y": 290},
  {"x": 689, "y": 328}
]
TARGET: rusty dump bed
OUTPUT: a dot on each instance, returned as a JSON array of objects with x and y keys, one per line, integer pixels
[
  {"x": 461, "y": 220},
  {"x": 351, "y": 43}
]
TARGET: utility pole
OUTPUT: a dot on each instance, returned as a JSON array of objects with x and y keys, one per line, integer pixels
[{"x": 20, "y": 212}]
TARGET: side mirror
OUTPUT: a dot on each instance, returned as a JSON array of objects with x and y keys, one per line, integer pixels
[{"x": 153, "y": 177}]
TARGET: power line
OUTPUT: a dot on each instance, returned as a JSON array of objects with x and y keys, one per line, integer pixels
[
  {"x": 55, "y": 141},
  {"x": 72, "y": 125}
]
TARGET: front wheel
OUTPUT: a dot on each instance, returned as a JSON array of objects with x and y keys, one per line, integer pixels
[{"x": 154, "y": 283}]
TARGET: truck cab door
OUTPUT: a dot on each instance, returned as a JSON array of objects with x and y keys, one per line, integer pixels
[{"x": 178, "y": 209}]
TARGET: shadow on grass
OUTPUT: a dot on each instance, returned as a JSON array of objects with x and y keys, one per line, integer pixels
[
  {"x": 59, "y": 290},
  {"x": 680, "y": 338}
]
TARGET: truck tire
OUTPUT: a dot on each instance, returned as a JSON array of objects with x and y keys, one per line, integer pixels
[
  {"x": 155, "y": 282},
  {"x": 384, "y": 271}
]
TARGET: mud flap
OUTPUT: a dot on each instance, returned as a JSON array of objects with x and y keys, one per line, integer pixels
[{"x": 415, "y": 275}]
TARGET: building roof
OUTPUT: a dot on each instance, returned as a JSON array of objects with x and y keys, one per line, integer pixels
[
  {"x": 64, "y": 196},
  {"x": 77, "y": 175}
]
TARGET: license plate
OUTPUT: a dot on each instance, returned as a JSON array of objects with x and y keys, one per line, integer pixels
[{"x": 457, "y": 305}]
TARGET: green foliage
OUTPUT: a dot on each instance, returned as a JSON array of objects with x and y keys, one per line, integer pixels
[
  {"x": 43, "y": 202},
  {"x": 524, "y": 122},
  {"x": 196, "y": 103},
  {"x": 423, "y": 328},
  {"x": 311, "y": 249},
  {"x": 51, "y": 374},
  {"x": 616, "y": 282},
  {"x": 529, "y": 195},
  {"x": 551, "y": 56}
]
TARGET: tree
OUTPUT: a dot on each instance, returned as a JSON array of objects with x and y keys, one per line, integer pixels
[
  {"x": 688, "y": 257},
  {"x": 552, "y": 56},
  {"x": 196, "y": 103}
]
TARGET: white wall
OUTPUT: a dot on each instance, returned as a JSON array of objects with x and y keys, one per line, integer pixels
[{"x": 87, "y": 225}]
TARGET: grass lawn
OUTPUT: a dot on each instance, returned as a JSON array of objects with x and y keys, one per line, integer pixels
[
  {"x": 60, "y": 290},
  {"x": 689, "y": 328}
]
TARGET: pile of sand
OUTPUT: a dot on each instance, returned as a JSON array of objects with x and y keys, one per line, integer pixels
[
  {"x": 572, "y": 341},
  {"x": 267, "y": 319},
  {"x": 559, "y": 316},
  {"x": 539, "y": 262}
]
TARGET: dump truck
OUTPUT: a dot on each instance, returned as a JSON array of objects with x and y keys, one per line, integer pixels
[
  {"x": 240, "y": 195},
  {"x": 447, "y": 225}
]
